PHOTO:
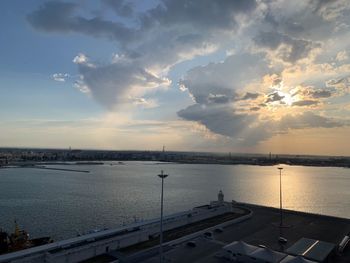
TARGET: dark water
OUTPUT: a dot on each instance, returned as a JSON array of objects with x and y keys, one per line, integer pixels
[{"x": 60, "y": 204}]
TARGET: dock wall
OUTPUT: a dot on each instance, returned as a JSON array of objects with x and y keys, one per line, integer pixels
[{"x": 91, "y": 245}]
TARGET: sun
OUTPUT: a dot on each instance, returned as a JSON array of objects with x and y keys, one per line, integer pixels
[{"x": 287, "y": 98}]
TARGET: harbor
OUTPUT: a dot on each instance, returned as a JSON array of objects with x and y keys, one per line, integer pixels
[
  {"x": 175, "y": 131},
  {"x": 63, "y": 204},
  {"x": 205, "y": 234}
]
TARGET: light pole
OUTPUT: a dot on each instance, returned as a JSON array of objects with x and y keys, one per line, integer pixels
[
  {"x": 281, "y": 216},
  {"x": 162, "y": 176}
]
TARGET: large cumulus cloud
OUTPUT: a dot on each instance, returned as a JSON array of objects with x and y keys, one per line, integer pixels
[
  {"x": 247, "y": 117},
  {"x": 157, "y": 39},
  {"x": 274, "y": 62}
]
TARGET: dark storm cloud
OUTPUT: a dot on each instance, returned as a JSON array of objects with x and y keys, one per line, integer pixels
[
  {"x": 254, "y": 108},
  {"x": 312, "y": 94},
  {"x": 221, "y": 120},
  {"x": 189, "y": 38},
  {"x": 341, "y": 85},
  {"x": 289, "y": 25},
  {"x": 299, "y": 48},
  {"x": 317, "y": 94},
  {"x": 246, "y": 129},
  {"x": 121, "y": 7},
  {"x": 250, "y": 96},
  {"x": 334, "y": 82},
  {"x": 302, "y": 103},
  {"x": 59, "y": 17},
  {"x": 272, "y": 97},
  {"x": 207, "y": 14},
  {"x": 322, "y": 3},
  {"x": 52, "y": 16},
  {"x": 308, "y": 120},
  {"x": 218, "y": 98},
  {"x": 178, "y": 29}
]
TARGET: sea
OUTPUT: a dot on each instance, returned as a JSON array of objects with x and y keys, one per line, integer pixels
[{"x": 64, "y": 204}]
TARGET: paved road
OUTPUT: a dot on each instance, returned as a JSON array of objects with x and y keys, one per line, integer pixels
[{"x": 261, "y": 229}]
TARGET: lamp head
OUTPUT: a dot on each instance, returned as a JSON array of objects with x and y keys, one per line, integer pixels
[{"x": 162, "y": 175}]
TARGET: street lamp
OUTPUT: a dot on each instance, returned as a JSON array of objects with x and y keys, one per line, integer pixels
[
  {"x": 281, "y": 216},
  {"x": 162, "y": 176}
]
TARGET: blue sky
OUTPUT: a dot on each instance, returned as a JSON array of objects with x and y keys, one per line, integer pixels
[{"x": 238, "y": 76}]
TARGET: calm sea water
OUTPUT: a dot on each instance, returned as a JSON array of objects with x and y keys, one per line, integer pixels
[{"x": 62, "y": 204}]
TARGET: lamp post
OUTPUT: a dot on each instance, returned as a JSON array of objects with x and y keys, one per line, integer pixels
[
  {"x": 281, "y": 216},
  {"x": 162, "y": 176}
]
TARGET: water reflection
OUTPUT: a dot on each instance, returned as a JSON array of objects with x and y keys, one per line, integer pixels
[{"x": 62, "y": 203}]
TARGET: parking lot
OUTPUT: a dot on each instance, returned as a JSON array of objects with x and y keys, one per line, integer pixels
[{"x": 262, "y": 229}]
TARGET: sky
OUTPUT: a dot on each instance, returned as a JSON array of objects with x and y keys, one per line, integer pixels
[{"x": 243, "y": 76}]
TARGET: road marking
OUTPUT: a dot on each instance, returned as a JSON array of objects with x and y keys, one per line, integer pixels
[{"x": 314, "y": 244}]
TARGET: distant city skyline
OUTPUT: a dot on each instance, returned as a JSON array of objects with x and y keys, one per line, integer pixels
[{"x": 240, "y": 76}]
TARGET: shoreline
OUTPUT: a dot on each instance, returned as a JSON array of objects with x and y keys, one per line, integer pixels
[{"x": 42, "y": 165}]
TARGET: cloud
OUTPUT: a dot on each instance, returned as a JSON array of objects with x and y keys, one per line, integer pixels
[
  {"x": 287, "y": 48},
  {"x": 144, "y": 103},
  {"x": 322, "y": 3},
  {"x": 113, "y": 84},
  {"x": 60, "y": 77},
  {"x": 248, "y": 117},
  {"x": 80, "y": 59},
  {"x": 218, "y": 98},
  {"x": 317, "y": 94},
  {"x": 250, "y": 96},
  {"x": 264, "y": 86},
  {"x": 182, "y": 18},
  {"x": 200, "y": 14},
  {"x": 248, "y": 129},
  {"x": 56, "y": 16},
  {"x": 302, "y": 103},
  {"x": 240, "y": 128},
  {"x": 308, "y": 120},
  {"x": 272, "y": 80},
  {"x": 215, "y": 90},
  {"x": 275, "y": 96},
  {"x": 121, "y": 7},
  {"x": 254, "y": 108},
  {"x": 222, "y": 120},
  {"x": 156, "y": 39},
  {"x": 342, "y": 55},
  {"x": 226, "y": 78},
  {"x": 311, "y": 93},
  {"x": 341, "y": 86},
  {"x": 53, "y": 16},
  {"x": 331, "y": 9}
]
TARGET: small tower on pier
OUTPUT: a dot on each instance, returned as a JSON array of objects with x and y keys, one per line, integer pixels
[{"x": 220, "y": 197}]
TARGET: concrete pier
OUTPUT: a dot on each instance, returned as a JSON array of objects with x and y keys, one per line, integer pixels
[{"x": 225, "y": 222}]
